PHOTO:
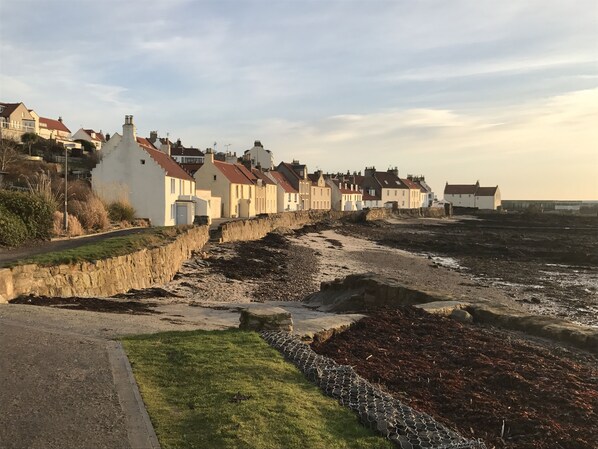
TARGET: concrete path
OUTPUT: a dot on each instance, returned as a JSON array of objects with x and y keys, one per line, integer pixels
[{"x": 65, "y": 382}]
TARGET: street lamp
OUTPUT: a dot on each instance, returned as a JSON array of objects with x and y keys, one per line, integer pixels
[{"x": 66, "y": 189}]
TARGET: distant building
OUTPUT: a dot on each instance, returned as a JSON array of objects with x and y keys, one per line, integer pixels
[
  {"x": 345, "y": 196},
  {"x": 472, "y": 196},
  {"x": 296, "y": 174},
  {"x": 16, "y": 120},
  {"x": 320, "y": 195},
  {"x": 287, "y": 195},
  {"x": 259, "y": 156},
  {"x": 54, "y": 130},
  {"x": 96, "y": 138},
  {"x": 427, "y": 196},
  {"x": 386, "y": 189}
]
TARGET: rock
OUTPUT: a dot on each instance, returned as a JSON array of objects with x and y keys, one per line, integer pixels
[
  {"x": 443, "y": 308},
  {"x": 463, "y": 316},
  {"x": 257, "y": 318}
]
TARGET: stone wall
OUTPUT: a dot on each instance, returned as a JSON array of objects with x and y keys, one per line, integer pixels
[
  {"x": 105, "y": 277},
  {"x": 256, "y": 228}
]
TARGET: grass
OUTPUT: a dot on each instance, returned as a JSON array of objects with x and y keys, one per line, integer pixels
[
  {"x": 103, "y": 249},
  {"x": 188, "y": 381}
]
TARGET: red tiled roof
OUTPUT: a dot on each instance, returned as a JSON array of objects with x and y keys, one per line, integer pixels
[
  {"x": 261, "y": 175},
  {"x": 486, "y": 191},
  {"x": 346, "y": 191},
  {"x": 409, "y": 183},
  {"x": 169, "y": 165},
  {"x": 54, "y": 124},
  {"x": 98, "y": 136},
  {"x": 460, "y": 189},
  {"x": 8, "y": 109},
  {"x": 235, "y": 173},
  {"x": 283, "y": 182}
]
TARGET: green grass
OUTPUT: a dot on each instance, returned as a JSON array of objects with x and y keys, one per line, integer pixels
[
  {"x": 187, "y": 380},
  {"x": 110, "y": 247}
]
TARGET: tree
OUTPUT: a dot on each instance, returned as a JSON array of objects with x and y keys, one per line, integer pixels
[
  {"x": 29, "y": 139},
  {"x": 86, "y": 145},
  {"x": 8, "y": 154}
]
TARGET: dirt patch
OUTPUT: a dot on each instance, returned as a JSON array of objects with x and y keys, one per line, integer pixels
[
  {"x": 91, "y": 304},
  {"x": 548, "y": 262},
  {"x": 475, "y": 380},
  {"x": 282, "y": 270}
]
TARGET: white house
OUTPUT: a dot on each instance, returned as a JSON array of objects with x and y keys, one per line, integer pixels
[
  {"x": 259, "y": 156},
  {"x": 287, "y": 195},
  {"x": 134, "y": 170},
  {"x": 96, "y": 138},
  {"x": 472, "y": 195},
  {"x": 345, "y": 195}
]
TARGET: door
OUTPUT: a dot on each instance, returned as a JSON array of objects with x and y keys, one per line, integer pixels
[{"x": 181, "y": 214}]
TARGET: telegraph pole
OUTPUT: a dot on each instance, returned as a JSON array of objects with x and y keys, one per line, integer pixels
[{"x": 66, "y": 189}]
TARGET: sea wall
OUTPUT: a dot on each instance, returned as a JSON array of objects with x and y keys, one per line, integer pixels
[
  {"x": 104, "y": 277},
  {"x": 256, "y": 228}
]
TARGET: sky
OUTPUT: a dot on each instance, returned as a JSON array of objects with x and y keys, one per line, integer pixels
[{"x": 458, "y": 91}]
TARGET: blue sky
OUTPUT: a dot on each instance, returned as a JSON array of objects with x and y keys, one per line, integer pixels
[{"x": 458, "y": 91}]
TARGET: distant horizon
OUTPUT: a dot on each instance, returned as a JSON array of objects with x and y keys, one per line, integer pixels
[{"x": 459, "y": 91}]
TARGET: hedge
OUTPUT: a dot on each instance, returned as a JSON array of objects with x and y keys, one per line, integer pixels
[
  {"x": 13, "y": 231},
  {"x": 35, "y": 212}
]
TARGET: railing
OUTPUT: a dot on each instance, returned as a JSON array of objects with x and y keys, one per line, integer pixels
[{"x": 17, "y": 126}]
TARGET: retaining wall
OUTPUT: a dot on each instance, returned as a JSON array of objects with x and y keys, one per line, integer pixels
[
  {"x": 105, "y": 277},
  {"x": 256, "y": 228}
]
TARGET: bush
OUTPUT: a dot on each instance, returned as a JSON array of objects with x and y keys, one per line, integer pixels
[
  {"x": 34, "y": 211},
  {"x": 13, "y": 231},
  {"x": 74, "y": 229},
  {"x": 121, "y": 211},
  {"x": 91, "y": 214}
]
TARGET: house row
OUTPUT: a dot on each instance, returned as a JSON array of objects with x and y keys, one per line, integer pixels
[
  {"x": 16, "y": 119},
  {"x": 171, "y": 184}
]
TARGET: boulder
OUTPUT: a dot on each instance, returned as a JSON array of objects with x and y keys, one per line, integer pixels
[{"x": 258, "y": 318}]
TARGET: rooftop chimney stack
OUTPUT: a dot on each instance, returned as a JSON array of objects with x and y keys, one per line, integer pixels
[{"x": 129, "y": 132}]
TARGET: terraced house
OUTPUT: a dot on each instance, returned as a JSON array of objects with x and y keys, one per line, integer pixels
[
  {"x": 320, "y": 196},
  {"x": 472, "y": 195},
  {"x": 233, "y": 183},
  {"x": 133, "y": 170},
  {"x": 296, "y": 174}
]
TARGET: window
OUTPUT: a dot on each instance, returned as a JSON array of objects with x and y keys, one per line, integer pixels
[
  {"x": 142, "y": 161},
  {"x": 237, "y": 192},
  {"x": 214, "y": 177},
  {"x": 396, "y": 193},
  {"x": 180, "y": 186},
  {"x": 172, "y": 210},
  {"x": 172, "y": 186}
]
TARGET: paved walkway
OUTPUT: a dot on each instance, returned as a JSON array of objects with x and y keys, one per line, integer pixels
[{"x": 65, "y": 382}]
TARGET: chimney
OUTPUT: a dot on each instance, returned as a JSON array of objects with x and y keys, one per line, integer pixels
[
  {"x": 209, "y": 156},
  {"x": 369, "y": 172},
  {"x": 257, "y": 143},
  {"x": 107, "y": 137},
  {"x": 394, "y": 171},
  {"x": 165, "y": 146},
  {"x": 153, "y": 136},
  {"x": 129, "y": 132},
  {"x": 60, "y": 119}
]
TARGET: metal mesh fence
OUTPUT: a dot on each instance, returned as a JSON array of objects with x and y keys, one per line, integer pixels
[{"x": 401, "y": 424}]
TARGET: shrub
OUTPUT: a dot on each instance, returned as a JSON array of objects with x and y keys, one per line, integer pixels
[
  {"x": 79, "y": 190},
  {"x": 13, "y": 231},
  {"x": 74, "y": 229},
  {"x": 121, "y": 211},
  {"x": 91, "y": 214},
  {"x": 34, "y": 211}
]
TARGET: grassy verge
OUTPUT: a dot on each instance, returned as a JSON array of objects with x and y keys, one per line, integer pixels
[
  {"x": 106, "y": 248},
  {"x": 189, "y": 382}
]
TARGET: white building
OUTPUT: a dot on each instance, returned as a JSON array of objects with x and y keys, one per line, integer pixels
[
  {"x": 96, "y": 138},
  {"x": 345, "y": 195},
  {"x": 287, "y": 195},
  {"x": 133, "y": 170},
  {"x": 259, "y": 156},
  {"x": 472, "y": 196}
]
